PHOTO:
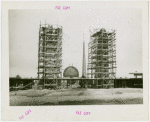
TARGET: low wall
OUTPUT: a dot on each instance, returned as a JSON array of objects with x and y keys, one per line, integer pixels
[{"x": 90, "y": 83}]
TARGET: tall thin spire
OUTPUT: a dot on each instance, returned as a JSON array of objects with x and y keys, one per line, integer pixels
[{"x": 83, "y": 60}]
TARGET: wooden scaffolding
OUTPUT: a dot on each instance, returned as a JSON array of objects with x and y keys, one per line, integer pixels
[
  {"x": 102, "y": 57},
  {"x": 49, "y": 53}
]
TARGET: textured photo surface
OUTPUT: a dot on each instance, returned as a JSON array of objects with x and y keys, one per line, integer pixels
[
  {"x": 74, "y": 61},
  {"x": 71, "y": 56}
]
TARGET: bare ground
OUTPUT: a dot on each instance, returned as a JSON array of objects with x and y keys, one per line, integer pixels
[{"x": 76, "y": 97}]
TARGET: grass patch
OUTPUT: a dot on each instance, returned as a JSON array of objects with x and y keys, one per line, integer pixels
[
  {"x": 118, "y": 92},
  {"x": 80, "y": 94}
]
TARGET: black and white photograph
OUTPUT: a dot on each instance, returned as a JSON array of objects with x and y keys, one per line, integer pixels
[
  {"x": 65, "y": 56},
  {"x": 75, "y": 57}
]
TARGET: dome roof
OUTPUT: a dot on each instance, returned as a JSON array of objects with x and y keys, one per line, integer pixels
[{"x": 71, "y": 72}]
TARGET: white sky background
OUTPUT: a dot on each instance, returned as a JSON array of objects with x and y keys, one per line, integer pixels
[{"x": 24, "y": 29}]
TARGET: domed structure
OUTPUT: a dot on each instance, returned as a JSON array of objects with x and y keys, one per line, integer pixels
[{"x": 71, "y": 72}]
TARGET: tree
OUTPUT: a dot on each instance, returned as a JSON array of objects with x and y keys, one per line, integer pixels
[{"x": 18, "y": 77}]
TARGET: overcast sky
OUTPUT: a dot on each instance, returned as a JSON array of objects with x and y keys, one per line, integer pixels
[{"x": 24, "y": 29}]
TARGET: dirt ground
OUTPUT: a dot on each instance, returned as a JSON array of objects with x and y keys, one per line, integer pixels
[{"x": 76, "y": 96}]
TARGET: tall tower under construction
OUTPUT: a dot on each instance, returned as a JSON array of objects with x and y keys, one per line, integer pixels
[
  {"x": 49, "y": 52},
  {"x": 102, "y": 57},
  {"x": 83, "y": 61}
]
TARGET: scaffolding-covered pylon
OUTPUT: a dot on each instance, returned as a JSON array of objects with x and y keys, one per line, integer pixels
[
  {"x": 49, "y": 52},
  {"x": 102, "y": 57}
]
